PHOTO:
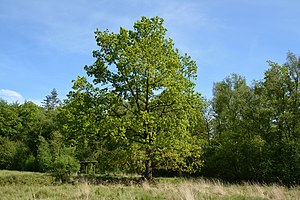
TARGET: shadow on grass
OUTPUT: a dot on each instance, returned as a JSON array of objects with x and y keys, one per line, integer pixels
[
  {"x": 8, "y": 177},
  {"x": 25, "y": 178},
  {"x": 108, "y": 179}
]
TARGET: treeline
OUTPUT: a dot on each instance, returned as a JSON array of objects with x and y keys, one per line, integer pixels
[
  {"x": 141, "y": 114},
  {"x": 56, "y": 136},
  {"x": 30, "y": 138}
]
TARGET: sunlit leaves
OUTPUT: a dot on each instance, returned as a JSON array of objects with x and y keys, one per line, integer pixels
[{"x": 149, "y": 89}]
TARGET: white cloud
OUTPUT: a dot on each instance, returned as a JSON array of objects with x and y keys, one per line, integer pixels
[
  {"x": 10, "y": 93},
  {"x": 11, "y": 96}
]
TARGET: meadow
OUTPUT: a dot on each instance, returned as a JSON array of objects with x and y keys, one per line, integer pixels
[{"x": 29, "y": 185}]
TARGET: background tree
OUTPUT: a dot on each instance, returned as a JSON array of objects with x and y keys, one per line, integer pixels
[
  {"x": 234, "y": 153},
  {"x": 256, "y": 129},
  {"x": 15, "y": 134},
  {"x": 44, "y": 155},
  {"x": 279, "y": 93},
  {"x": 83, "y": 126},
  {"x": 10, "y": 123},
  {"x": 21, "y": 125},
  {"x": 52, "y": 101}
]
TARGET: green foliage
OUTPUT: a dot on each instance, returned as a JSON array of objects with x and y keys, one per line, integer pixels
[
  {"x": 7, "y": 152},
  {"x": 280, "y": 103},
  {"x": 81, "y": 120},
  {"x": 141, "y": 114},
  {"x": 10, "y": 123},
  {"x": 15, "y": 155},
  {"x": 21, "y": 155},
  {"x": 44, "y": 156},
  {"x": 256, "y": 129},
  {"x": 32, "y": 122},
  {"x": 65, "y": 164},
  {"x": 55, "y": 157},
  {"x": 30, "y": 117},
  {"x": 31, "y": 163},
  {"x": 147, "y": 89},
  {"x": 235, "y": 149}
]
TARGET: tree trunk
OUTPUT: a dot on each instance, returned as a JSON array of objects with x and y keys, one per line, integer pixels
[{"x": 148, "y": 163}]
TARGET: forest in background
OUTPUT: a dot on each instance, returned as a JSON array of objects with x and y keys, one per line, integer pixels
[{"x": 140, "y": 114}]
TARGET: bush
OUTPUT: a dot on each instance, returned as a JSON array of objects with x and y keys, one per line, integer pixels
[
  {"x": 31, "y": 163},
  {"x": 15, "y": 155},
  {"x": 54, "y": 157},
  {"x": 20, "y": 157},
  {"x": 65, "y": 164}
]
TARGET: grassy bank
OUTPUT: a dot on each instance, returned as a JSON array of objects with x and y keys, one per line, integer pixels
[{"x": 163, "y": 189}]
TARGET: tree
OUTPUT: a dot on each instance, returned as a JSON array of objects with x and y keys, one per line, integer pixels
[
  {"x": 44, "y": 156},
  {"x": 57, "y": 158},
  {"x": 148, "y": 90},
  {"x": 279, "y": 104},
  {"x": 256, "y": 133},
  {"x": 48, "y": 117},
  {"x": 10, "y": 122},
  {"x": 83, "y": 126},
  {"x": 51, "y": 101},
  {"x": 80, "y": 116},
  {"x": 29, "y": 114},
  {"x": 235, "y": 149}
]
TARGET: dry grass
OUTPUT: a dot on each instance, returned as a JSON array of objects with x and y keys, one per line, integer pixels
[
  {"x": 186, "y": 190},
  {"x": 203, "y": 189},
  {"x": 171, "y": 189}
]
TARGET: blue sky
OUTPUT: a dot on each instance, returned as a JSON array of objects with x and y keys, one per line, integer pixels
[{"x": 45, "y": 44}]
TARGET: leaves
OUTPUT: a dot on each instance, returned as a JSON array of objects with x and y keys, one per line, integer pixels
[{"x": 255, "y": 134}]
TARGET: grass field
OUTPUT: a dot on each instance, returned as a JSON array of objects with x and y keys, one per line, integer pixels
[{"x": 28, "y": 185}]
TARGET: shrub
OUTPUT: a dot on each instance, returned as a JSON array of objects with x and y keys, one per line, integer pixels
[
  {"x": 21, "y": 155},
  {"x": 15, "y": 155},
  {"x": 31, "y": 163},
  {"x": 65, "y": 164}
]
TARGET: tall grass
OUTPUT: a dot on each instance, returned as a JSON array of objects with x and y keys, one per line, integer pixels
[{"x": 162, "y": 189}]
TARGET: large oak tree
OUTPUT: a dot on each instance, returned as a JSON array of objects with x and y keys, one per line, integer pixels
[{"x": 149, "y": 94}]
